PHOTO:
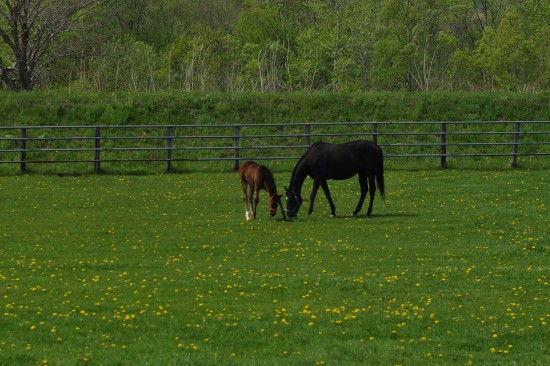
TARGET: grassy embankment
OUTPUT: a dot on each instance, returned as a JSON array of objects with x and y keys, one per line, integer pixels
[{"x": 195, "y": 109}]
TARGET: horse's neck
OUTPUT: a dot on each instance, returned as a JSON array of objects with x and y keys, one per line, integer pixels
[
  {"x": 269, "y": 185},
  {"x": 298, "y": 178},
  {"x": 270, "y": 188}
]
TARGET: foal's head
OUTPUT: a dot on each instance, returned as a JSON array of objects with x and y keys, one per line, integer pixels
[{"x": 274, "y": 202}]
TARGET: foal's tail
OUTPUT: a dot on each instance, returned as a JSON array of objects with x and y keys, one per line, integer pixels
[{"x": 380, "y": 176}]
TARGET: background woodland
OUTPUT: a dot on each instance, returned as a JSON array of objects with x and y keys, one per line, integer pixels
[{"x": 275, "y": 45}]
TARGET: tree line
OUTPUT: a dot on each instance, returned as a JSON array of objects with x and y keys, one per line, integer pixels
[{"x": 275, "y": 45}]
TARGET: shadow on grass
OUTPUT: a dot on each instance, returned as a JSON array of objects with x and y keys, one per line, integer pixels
[
  {"x": 375, "y": 216},
  {"x": 357, "y": 217}
]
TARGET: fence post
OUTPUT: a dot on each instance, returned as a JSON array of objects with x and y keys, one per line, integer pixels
[
  {"x": 97, "y": 151},
  {"x": 307, "y": 132},
  {"x": 443, "y": 135},
  {"x": 516, "y": 144},
  {"x": 169, "y": 142},
  {"x": 236, "y": 142},
  {"x": 375, "y": 133},
  {"x": 23, "y": 149}
]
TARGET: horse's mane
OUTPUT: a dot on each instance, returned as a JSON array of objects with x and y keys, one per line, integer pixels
[
  {"x": 269, "y": 179},
  {"x": 315, "y": 144}
]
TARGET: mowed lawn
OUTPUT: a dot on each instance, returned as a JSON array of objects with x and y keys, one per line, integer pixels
[{"x": 452, "y": 268}]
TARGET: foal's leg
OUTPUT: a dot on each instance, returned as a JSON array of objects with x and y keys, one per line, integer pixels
[
  {"x": 324, "y": 185},
  {"x": 251, "y": 208},
  {"x": 278, "y": 198},
  {"x": 363, "y": 182},
  {"x": 245, "y": 198},
  {"x": 256, "y": 199}
]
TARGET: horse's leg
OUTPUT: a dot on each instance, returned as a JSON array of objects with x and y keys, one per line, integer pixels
[
  {"x": 312, "y": 195},
  {"x": 324, "y": 185},
  {"x": 363, "y": 182},
  {"x": 372, "y": 191}
]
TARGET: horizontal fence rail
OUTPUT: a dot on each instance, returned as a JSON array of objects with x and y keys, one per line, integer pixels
[{"x": 96, "y": 145}]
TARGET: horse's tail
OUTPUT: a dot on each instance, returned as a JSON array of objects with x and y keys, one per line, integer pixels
[{"x": 380, "y": 175}]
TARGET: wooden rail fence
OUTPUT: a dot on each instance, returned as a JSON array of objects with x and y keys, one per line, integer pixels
[{"x": 96, "y": 145}]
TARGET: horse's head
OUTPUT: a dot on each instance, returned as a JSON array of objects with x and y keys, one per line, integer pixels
[
  {"x": 274, "y": 203},
  {"x": 293, "y": 202}
]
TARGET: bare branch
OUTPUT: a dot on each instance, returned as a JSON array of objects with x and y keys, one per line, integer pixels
[{"x": 30, "y": 27}]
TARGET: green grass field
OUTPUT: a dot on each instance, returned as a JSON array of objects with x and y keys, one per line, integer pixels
[{"x": 452, "y": 269}]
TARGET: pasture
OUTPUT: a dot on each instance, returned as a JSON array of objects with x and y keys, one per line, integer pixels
[{"x": 452, "y": 268}]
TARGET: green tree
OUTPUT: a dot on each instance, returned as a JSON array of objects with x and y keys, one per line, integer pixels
[
  {"x": 326, "y": 53},
  {"x": 418, "y": 27},
  {"x": 29, "y": 30},
  {"x": 215, "y": 13},
  {"x": 260, "y": 48},
  {"x": 389, "y": 67},
  {"x": 127, "y": 65},
  {"x": 197, "y": 61},
  {"x": 508, "y": 56},
  {"x": 535, "y": 15},
  {"x": 153, "y": 22}
]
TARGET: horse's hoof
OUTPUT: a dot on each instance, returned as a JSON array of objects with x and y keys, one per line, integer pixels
[{"x": 332, "y": 215}]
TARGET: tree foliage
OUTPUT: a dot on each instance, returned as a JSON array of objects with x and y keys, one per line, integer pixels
[
  {"x": 283, "y": 45},
  {"x": 29, "y": 30}
]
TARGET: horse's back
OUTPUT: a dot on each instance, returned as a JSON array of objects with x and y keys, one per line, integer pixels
[
  {"x": 342, "y": 161},
  {"x": 330, "y": 161},
  {"x": 370, "y": 154},
  {"x": 362, "y": 148},
  {"x": 254, "y": 172},
  {"x": 355, "y": 147},
  {"x": 248, "y": 170}
]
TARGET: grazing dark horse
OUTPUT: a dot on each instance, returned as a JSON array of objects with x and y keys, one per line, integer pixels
[
  {"x": 255, "y": 177},
  {"x": 323, "y": 161}
]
